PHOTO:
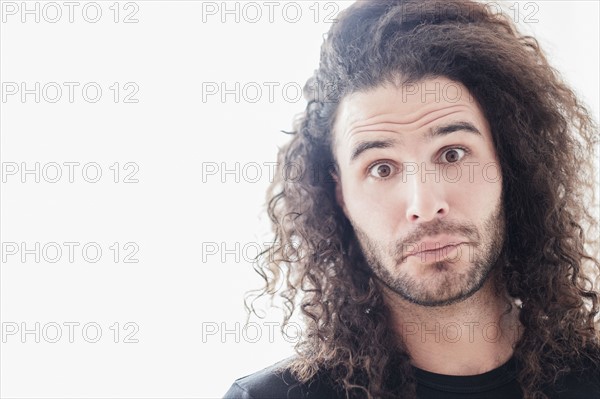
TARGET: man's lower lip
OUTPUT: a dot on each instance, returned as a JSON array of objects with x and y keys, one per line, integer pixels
[{"x": 436, "y": 251}]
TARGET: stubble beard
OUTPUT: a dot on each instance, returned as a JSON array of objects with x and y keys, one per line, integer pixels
[{"x": 447, "y": 285}]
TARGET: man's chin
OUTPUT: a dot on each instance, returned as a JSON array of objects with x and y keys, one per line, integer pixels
[
  {"x": 436, "y": 283},
  {"x": 434, "y": 300}
]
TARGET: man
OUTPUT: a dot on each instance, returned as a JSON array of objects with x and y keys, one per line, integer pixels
[{"x": 439, "y": 244}]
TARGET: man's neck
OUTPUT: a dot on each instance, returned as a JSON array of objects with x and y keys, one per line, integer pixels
[{"x": 466, "y": 338}]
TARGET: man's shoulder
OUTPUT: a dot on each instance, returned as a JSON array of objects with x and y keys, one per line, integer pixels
[
  {"x": 583, "y": 384},
  {"x": 277, "y": 382}
]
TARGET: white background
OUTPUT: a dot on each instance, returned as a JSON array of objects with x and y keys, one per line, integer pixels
[{"x": 185, "y": 289}]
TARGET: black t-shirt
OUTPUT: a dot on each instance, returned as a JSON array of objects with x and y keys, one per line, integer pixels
[{"x": 499, "y": 383}]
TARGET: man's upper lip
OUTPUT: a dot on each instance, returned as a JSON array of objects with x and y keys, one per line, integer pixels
[{"x": 432, "y": 244}]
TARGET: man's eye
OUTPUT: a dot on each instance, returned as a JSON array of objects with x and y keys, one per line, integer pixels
[
  {"x": 381, "y": 170},
  {"x": 453, "y": 155}
]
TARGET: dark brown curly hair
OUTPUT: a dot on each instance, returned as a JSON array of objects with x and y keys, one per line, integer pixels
[{"x": 545, "y": 139}]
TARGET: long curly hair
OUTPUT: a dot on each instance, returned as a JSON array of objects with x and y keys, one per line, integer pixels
[{"x": 546, "y": 142}]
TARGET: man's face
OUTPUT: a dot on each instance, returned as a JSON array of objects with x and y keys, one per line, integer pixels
[{"x": 418, "y": 171}]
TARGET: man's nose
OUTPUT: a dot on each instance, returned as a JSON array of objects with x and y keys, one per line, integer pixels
[{"x": 426, "y": 199}]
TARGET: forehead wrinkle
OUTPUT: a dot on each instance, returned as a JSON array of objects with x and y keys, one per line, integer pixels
[
  {"x": 388, "y": 127},
  {"x": 427, "y": 122},
  {"x": 398, "y": 123}
]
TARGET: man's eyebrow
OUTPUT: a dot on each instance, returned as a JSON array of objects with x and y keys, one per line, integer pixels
[
  {"x": 367, "y": 145},
  {"x": 451, "y": 128},
  {"x": 432, "y": 133}
]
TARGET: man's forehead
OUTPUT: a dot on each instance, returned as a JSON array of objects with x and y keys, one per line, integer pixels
[{"x": 410, "y": 107}]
